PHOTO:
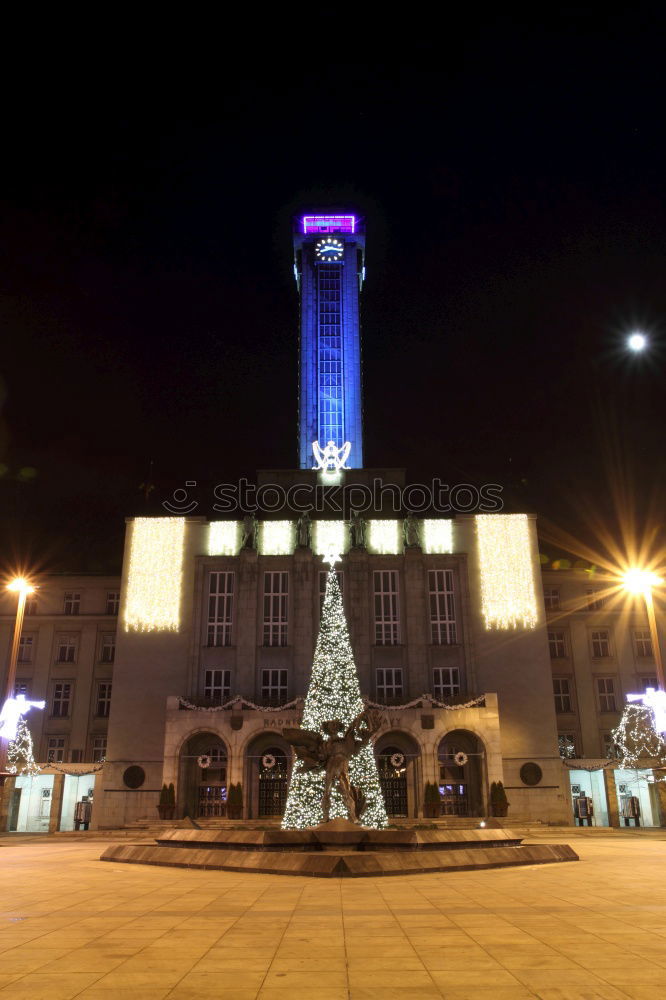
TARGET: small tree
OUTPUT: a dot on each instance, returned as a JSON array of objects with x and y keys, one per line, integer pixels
[
  {"x": 499, "y": 804},
  {"x": 431, "y": 800},
  {"x": 235, "y": 801}
]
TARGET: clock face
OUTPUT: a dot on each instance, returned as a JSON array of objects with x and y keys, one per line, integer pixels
[{"x": 329, "y": 249}]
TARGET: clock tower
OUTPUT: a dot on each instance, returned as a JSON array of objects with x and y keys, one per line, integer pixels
[{"x": 329, "y": 265}]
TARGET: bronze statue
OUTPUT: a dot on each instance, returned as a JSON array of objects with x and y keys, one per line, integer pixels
[{"x": 333, "y": 751}]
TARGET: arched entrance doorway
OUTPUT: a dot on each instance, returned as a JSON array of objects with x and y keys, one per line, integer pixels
[
  {"x": 268, "y": 764},
  {"x": 461, "y": 762},
  {"x": 399, "y": 767},
  {"x": 203, "y": 790}
]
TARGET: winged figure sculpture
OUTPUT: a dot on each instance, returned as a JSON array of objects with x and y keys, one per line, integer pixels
[{"x": 332, "y": 753}]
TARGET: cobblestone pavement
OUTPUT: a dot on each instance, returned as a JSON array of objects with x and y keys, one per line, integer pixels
[{"x": 71, "y": 926}]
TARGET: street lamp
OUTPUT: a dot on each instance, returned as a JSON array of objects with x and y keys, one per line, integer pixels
[
  {"x": 641, "y": 581},
  {"x": 22, "y": 587}
]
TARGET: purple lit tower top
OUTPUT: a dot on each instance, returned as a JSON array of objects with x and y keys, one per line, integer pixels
[{"x": 329, "y": 265}]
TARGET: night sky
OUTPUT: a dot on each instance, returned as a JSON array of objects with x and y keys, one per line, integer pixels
[{"x": 511, "y": 174}]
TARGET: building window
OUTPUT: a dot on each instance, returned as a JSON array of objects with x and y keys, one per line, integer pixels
[
  {"x": 276, "y": 608},
  {"x": 66, "y": 649},
  {"x": 649, "y": 682},
  {"x": 274, "y": 686},
  {"x": 389, "y": 683},
  {"x": 600, "y": 643},
  {"x": 551, "y": 598},
  {"x": 21, "y": 687},
  {"x": 217, "y": 685},
  {"x": 567, "y": 745},
  {"x": 446, "y": 682},
  {"x": 594, "y": 601},
  {"x": 562, "y": 693},
  {"x": 25, "y": 649},
  {"x": 72, "y": 602},
  {"x": 643, "y": 642},
  {"x": 442, "y": 607},
  {"x": 322, "y": 585},
  {"x": 98, "y": 749},
  {"x": 606, "y": 692},
  {"x": 108, "y": 647},
  {"x": 556, "y": 644},
  {"x": 610, "y": 747},
  {"x": 31, "y": 606},
  {"x": 112, "y": 602},
  {"x": 220, "y": 608},
  {"x": 62, "y": 697},
  {"x": 387, "y": 616},
  {"x": 55, "y": 749},
  {"x": 103, "y": 699}
]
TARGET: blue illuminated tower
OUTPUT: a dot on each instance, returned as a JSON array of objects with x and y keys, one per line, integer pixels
[{"x": 329, "y": 264}]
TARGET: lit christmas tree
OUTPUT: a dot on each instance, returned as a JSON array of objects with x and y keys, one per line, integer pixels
[
  {"x": 334, "y": 694},
  {"x": 636, "y": 739},
  {"x": 20, "y": 757}
]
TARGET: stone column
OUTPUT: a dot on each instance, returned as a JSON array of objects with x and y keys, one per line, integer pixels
[
  {"x": 56, "y": 802},
  {"x": 611, "y": 797}
]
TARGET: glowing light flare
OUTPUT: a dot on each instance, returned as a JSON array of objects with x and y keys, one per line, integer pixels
[
  {"x": 640, "y": 581},
  {"x": 155, "y": 574},
  {"x": 508, "y": 593},
  {"x": 655, "y": 701},
  {"x": 637, "y": 342},
  {"x": 21, "y": 585},
  {"x": 329, "y": 539},
  {"x": 12, "y": 712},
  {"x": 224, "y": 538},
  {"x": 437, "y": 536},
  {"x": 277, "y": 538},
  {"x": 384, "y": 537}
]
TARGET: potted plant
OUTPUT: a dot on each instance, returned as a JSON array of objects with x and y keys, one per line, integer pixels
[
  {"x": 431, "y": 800},
  {"x": 235, "y": 801},
  {"x": 167, "y": 804},
  {"x": 499, "y": 804}
]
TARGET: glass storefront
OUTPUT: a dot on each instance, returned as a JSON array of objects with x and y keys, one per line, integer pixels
[
  {"x": 30, "y": 805},
  {"x": 588, "y": 797}
]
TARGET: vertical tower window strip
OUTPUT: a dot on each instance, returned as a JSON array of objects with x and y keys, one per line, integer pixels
[
  {"x": 508, "y": 595},
  {"x": 220, "y": 608},
  {"x": 442, "y": 607},
  {"x": 155, "y": 574},
  {"x": 329, "y": 354},
  {"x": 387, "y": 608},
  {"x": 276, "y": 608}
]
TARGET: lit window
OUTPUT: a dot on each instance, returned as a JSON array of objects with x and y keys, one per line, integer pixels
[
  {"x": 446, "y": 682},
  {"x": 649, "y": 682},
  {"x": 389, "y": 683},
  {"x": 273, "y": 686},
  {"x": 220, "y": 608},
  {"x": 108, "y": 647},
  {"x": 217, "y": 685},
  {"x": 442, "y": 607},
  {"x": 567, "y": 745},
  {"x": 72, "y": 604},
  {"x": 556, "y": 645},
  {"x": 55, "y": 749},
  {"x": 643, "y": 642},
  {"x": 62, "y": 696},
  {"x": 276, "y": 608},
  {"x": 606, "y": 693},
  {"x": 610, "y": 747},
  {"x": 98, "y": 749},
  {"x": 600, "y": 643},
  {"x": 103, "y": 699},
  {"x": 387, "y": 614},
  {"x": 21, "y": 687},
  {"x": 112, "y": 602},
  {"x": 551, "y": 598},
  {"x": 562, "y": 692},
  {"x": 66, "y": 649}
]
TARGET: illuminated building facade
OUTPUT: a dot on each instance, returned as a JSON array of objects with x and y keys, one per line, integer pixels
[{"x": 329, "y": 266}]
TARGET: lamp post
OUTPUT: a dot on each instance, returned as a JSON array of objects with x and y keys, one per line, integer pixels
[
  {"x": 22, "y": 587},
  {"x": 641, "y": 581}
]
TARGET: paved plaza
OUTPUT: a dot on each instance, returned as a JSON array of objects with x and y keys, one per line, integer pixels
[{"x": 71, "y": 926}]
